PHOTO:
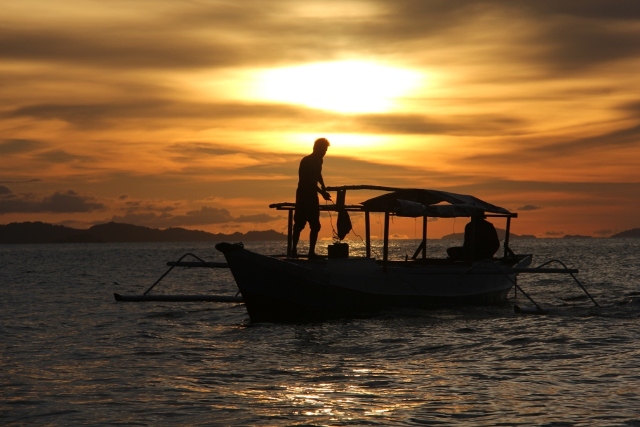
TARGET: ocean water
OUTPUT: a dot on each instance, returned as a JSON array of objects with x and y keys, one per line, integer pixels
[{"x": 71, "y": 355}]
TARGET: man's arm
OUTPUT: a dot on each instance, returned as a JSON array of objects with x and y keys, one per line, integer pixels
[{"x": 322, "y": 189}]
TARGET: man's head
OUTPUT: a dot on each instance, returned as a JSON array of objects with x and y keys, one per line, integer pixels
[
  {"x": 320, "y": 146},
  {"x": 478, "y": 216}
]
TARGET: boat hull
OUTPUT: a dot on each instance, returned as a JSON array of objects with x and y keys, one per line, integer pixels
[{"x": 290, "y": 290}]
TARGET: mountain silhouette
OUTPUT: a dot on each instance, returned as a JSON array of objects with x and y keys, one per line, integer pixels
[
  {"x": 635, "y": 232},
  {"x": 112, "y": 232}
]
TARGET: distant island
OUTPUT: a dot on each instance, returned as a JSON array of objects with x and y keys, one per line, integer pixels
[
  {"x": 635, "y": 232},
  {"x": 112, "y": 232},
  {"x": 501, "y": 233}
]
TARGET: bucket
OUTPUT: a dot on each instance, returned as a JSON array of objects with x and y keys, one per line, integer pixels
[{"x": 338, "y": 250}]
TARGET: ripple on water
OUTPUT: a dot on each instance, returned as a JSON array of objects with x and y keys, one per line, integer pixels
[{"x": 72, "y": 356}]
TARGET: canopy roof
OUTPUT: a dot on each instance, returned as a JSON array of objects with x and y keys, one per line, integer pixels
[
  {"x": 413, "y": 202},
  {"x": 410, "y": 202}
]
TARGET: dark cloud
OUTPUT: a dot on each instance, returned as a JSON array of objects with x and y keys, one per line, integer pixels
[
  {"x": 196, "y": 149},
  {"x": 59, "y": 156},
  {"x": 565, "y": 36},
  {"x": 117, "y": 47},
  {"x": 59, "y": 202},
  {"x": 135, "y": 206},
  {"x": 632, "y": 107},
  {"x": 415, "y": 124},
  {"x": 265, "y": 115},
  {"x": 186, "y": 36},
  {"x": 88, "y": 116},
  {"x": 203, "y": 216},
  {"x": 530, "y": 151},
  {"x": 620, "y": 10},
  {"x": 528, "y": 208},
  {"x": 15, "y": 146},
  {"x": 599, "y": 190},
  {"x": 70, "y": 201},
  {"x": 569, "y": 35},
  {"x": 258, "y": 218},
  {"x": 575, "y": 45},
  {"x": 25, "y": 181},
  {"x": 621, "y": 137}
]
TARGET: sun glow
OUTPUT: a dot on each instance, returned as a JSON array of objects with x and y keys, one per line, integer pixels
[{"x": 343, "y": 86}]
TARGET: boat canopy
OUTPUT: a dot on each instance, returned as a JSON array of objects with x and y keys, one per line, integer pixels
[
  {"x": 433, "y": 203},
  {"x": 408, "y": 202}
]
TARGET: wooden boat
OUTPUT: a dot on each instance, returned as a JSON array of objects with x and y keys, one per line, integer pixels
[{"x": 292, "y": 289}]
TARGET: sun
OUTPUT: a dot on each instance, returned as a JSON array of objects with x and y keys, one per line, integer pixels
[{"x": 342, "y": 86}]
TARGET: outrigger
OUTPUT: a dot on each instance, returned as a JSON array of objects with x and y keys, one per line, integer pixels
[{"x": 288, "y": 288}]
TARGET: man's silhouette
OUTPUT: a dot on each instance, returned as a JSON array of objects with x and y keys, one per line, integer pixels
[
  {"x": 480, "y": 241},
  {"x": 307, "y": 205}
]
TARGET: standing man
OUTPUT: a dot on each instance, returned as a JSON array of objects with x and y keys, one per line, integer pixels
[{"x": 307, "y": 205}]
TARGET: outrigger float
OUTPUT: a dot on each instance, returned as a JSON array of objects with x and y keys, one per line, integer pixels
[{"x": 288, "y": 288}]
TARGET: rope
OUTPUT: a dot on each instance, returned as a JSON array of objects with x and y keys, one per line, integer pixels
[{"x": 335, "y": 233}]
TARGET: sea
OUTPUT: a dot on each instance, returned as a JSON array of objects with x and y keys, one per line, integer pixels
[{"x": 70, "y": 355}]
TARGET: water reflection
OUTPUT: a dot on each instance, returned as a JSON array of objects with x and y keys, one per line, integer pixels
[{"x": 72, "y": 356}]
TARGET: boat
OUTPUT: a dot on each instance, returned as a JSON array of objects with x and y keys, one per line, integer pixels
[{"x": 289, "y": 288}]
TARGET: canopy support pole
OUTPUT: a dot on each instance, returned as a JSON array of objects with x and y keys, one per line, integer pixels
[
  {"x": 423, "y": 245},
  {"x": 424, "y": 237},
  {"x": 385, "y": 248},
  {"x": 290, "y": 233},
  {"x": 506, "y": 237},
  {"x": 367, "y": 233}
]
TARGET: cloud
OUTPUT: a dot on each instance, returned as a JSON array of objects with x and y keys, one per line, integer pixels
[
  {"x": 25, "y": 181},
  {"x": 193, "y": 36},
  {"x": 136, "y": 206},
  {"x": 16, "y": 146},
  {"x": 205, "y": 215},
  {"x": 548, "y": 34},
  {"x": 200, "y": 148},
  {"x": 58, "y": 202},
  {"x": 138, "y": 46},
  {"x": 528, "y": 208},
  {"x": 59, "y": 156},
  {"x": 201, "y": 217},
  {"x": 257, "y": 219},
  {"x": 166, "y": 113},
  {"x": 89, "y": 115},
  {"x": 416, "y": 124},
  {"x": 532, "y": 151}
]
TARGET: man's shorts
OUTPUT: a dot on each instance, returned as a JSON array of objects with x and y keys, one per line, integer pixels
[{"x": 307, "y": 210}]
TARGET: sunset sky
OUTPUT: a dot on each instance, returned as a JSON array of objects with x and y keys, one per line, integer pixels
[{"x": 196, "y": 113}]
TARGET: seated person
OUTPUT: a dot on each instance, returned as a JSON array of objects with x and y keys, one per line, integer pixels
[{"x": 480, "y": 241}]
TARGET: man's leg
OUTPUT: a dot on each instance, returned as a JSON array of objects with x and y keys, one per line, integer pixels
[
  {"x": 299, "y": 222},
  {"x": 313, "y": 238},
  {"x": 294, "y": 241}
]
